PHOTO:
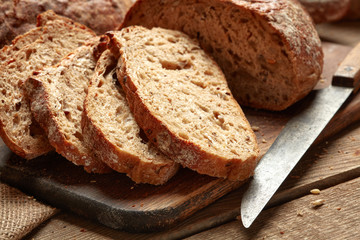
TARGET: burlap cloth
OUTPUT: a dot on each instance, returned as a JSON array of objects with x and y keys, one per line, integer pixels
[{"x": 19, "y": 213}]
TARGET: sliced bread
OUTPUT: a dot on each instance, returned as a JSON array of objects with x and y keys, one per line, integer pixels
[
  {"x": 17, "y": 127},
  {"x": 269, "y": 50},
  {"x": 57, "y": 96},
  {"x": 180, "y": 98},
  {"x": 109, "y": 128}
]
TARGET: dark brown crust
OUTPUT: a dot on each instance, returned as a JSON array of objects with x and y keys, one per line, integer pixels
[
  {"x": 302, "y": 43},
  {"x": 138, "y": 170},
  {"x": 185, "y": 152}
]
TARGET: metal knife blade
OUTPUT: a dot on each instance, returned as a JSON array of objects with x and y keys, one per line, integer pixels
[{"x": 297, "y": 136}]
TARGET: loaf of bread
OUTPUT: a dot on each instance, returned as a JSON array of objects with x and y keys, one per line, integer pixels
[
  {"x": 180, "y": 98},
  {"x": 326, "y": 10},
  {"x": 57, "y": 95},
  {"x": 17, "y": 128},
  {"x": 109, "y": 128},
  {"x": 18, "y": 16},
  {"x": 269, "y": 50}
]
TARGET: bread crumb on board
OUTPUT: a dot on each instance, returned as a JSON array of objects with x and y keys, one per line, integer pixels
[
  {"x": 255, "y": 128},
  {"x": 318, "y": 202},
  {"x": 315, "y": 191}
]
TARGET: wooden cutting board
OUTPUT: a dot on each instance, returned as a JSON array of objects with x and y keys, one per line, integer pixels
[{"x": 117, "y": 202}]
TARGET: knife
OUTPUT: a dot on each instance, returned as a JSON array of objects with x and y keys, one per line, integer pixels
[{"x": 297, "y": 136}]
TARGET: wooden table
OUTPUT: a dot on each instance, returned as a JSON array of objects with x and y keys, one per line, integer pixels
[{"x": 289, "y": 215}]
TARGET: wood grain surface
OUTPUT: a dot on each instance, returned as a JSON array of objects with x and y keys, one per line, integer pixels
[{"x": 336, "y": 219}]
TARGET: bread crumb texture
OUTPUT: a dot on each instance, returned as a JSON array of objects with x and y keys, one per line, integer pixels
[
  {"x": 182, "y": 101},
  {"x": 112, "y": 132}
]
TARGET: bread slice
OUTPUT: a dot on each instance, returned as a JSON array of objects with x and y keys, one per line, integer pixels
[
  {"x": 110, "y": 129},
  {"x": 17, "y": 127},
  {"x": 269, "y": 50},
  {"x": 57, "y": 96},
  {"x": 181, "y": 100}
]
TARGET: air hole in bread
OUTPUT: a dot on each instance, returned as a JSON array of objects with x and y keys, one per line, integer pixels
[
  {"x": 169, "y": 65},
  {"x": 12, "y": 66},
  {"x": 17, "y": 106},
  {"x": 67, "y": 115},
  {"x": 118, "y": 110},
  {"x": 150, "y": 59},
  {"x": 172, "y": 40},
  {"x": 144, "y": 138},
  {"x": 16, "y": 120},
  {"x": 28, "y": 53},
  {"x": 199, "y": 83},
  {"x": 80, "y": 108},
  {"x": 208, "y": 72},
  {"x": 100, "y": 84},
  {"x": 35, "y": 129},
  {"x": 79, "y": 135}
]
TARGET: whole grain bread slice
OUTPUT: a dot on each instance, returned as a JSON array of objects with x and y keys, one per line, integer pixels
[
  {"x": 18, "y": 129},
  {"x": 269, "y": 50},
  {"x": 180, "y": 98},
  {"x": 111, "y": 130},
  {"x": 57, "y": 95}
]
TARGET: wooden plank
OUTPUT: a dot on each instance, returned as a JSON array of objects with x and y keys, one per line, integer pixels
[
  {"x": 338, "y": 218},
  {"x": 326, "y": 164}
]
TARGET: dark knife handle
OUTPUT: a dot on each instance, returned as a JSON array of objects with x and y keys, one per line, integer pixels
[{"x": 348, "y": 73}]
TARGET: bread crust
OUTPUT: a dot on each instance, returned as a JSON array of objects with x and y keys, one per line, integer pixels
[{"x": 286, "y": 21}]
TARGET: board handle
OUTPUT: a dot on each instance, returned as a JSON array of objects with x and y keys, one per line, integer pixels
[{"x": 348, "y": 73}]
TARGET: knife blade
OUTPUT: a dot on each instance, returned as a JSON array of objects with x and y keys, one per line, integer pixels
[{"x": 297, "y": 136}]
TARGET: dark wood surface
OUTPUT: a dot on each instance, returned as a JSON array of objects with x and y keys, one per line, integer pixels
[{"x": 329, "y": 165}]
